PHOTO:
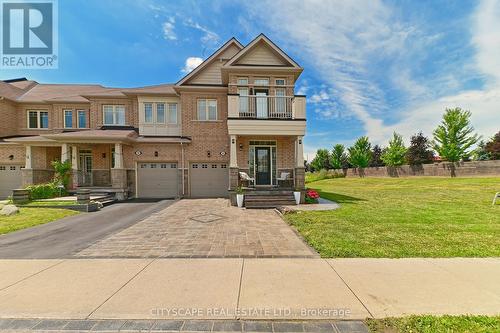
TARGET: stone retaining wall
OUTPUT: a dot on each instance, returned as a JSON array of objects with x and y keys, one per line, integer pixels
[{"x": 444, "y": 169}]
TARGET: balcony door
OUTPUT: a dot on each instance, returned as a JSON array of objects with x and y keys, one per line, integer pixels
[
  {"x": 261, "y": 103},
  {"x": 263, "y": 165}
]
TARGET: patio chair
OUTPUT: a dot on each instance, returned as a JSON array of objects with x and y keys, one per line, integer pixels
[
  {"x": 284, "y": 176},
  {"x": 245, "y": 177},
  {"x": 497, "y": 195}
]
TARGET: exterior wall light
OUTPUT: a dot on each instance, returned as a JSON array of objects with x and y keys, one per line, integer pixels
[
  {"x": 11, "y": 157},
  {"x": 241, "y": 146},
  {"x": 103, "y": 155},
  {"x": 156, "y": 153},
  {"x": 208, "y": 153}
]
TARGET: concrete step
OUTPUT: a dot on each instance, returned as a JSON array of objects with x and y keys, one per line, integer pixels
[
  {"x": 269, "y": 198},
  {"x": 268, "y": 204}
]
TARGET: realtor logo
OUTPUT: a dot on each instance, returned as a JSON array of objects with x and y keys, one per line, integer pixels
[{"x": 29, "y": 35}]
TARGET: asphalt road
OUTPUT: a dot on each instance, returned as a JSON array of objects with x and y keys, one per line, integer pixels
[{"x": 65, "y": 237}]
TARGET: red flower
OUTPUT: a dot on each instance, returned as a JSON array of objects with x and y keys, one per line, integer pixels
[{"x": 312, "y": 194}]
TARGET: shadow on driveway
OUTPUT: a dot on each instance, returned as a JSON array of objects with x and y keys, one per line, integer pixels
[{"x": 63, "y": 238}]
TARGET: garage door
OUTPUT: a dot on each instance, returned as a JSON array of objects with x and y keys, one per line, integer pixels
[
  {"x": 157, "y": 180},
  {"x": 10, "y": 178},
  {"x": 209, "y": 180}
]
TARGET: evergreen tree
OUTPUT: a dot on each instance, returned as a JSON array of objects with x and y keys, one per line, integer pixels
[
  {"x": 338, "y": 159},
  {"x": 360, "y": 153},
  {"x": 321, "y": 160}
]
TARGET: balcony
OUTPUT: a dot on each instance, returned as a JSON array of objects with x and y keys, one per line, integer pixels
[
  {"x": 266, "y": 107},
  {"x": 266, "y": 115}
]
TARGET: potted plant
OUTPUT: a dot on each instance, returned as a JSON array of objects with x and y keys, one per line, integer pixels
[
  {"x": 296, "y": 195},
  {"x": 239, "y": 196},
  {"x": 311, "y": 197}
]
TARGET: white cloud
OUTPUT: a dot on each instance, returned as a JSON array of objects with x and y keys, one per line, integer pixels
[
  {"x": 347, "y": 41},
  {"x": 168, "y": 29},
  {"x": 191, "y": 63},
  {"x": 209, "y": 37}
]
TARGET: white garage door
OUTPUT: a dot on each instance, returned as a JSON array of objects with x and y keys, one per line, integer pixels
[
  {"x": 157, "y": 180},
  {"x": 209, "y": 180},
  {"x": 10, "y": 178}
]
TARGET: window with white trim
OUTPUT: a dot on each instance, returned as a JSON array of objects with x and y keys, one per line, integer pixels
[
  {"x": 261, "y": 82},
  {"x": 148, "y": 112},
  {"x": 82, "y": 118},
  {"x": 38, "y": 119},
  {"x": 113, "y": 115},
  {"x": 207, "y": 109},
  {"x": 280, "y": 82},
  {"x": 172, "y": 113},
  {"x": 242, "y": 80},
  {"x": 160, "y": 113},
  {"x": 68, "y": 118}
]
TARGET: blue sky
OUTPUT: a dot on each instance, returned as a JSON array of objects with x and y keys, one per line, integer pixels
[{"x": 371, "y": 67}]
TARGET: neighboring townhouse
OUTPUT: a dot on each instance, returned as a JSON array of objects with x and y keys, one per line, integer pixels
[{"x": 236, "y": 112}]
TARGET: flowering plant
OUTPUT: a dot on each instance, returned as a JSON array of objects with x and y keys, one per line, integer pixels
[{"x": 312, "y": 196}]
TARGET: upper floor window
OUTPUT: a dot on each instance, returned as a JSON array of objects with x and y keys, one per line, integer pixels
[
  {"x": 38, "y": 119},
  {"x": 148, "y": 112},
  {"x": 261, "y": 82},
  {"x": 82, "y": 119},
  {"x": 114, "y": 114},
  {"x": 172, "y": 113},
  {"x": 160, "y": 113},
  {"x": 280, "y": 82},
  {"x": 68, "y": 118},
  {"x": 243, "y": 80},
  {"x": 207, "y": 109}
]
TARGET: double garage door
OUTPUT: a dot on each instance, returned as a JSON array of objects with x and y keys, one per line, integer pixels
[
  {"x": 10, "y": 178},
  {"x": 162, "y": 180},
  {"x": 209, "y": 180},
  {"x": 157, "y": 180}
]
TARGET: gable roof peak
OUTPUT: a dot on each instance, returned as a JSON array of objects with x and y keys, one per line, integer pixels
[{"x": 262, "y": 38}]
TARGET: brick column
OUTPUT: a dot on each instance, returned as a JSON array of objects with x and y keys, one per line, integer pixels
[{"x": 74, "y": 167}]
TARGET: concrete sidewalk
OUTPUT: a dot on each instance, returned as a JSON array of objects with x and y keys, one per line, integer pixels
[{"x": 268, "y": 289}]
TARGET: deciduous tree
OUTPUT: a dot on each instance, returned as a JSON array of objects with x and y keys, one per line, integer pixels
[
  {"x": 420, "y": 151},
  {"x": 360, "y": 153},
  {"x": 395, "y": 153},
  {"x": 454, "y": 137}
]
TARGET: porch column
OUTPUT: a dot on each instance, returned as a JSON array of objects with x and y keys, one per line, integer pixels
[
  {"x": 65, "y": 155},
  {"x": 27, "y": 164},
  {"x": 300, "y": 174},
  {"x": 118, "y": 156},
  {"x": 233, "y": 162},
  {"x": 27, "y": 172},
  {"x": 119, "y": 174},
  {"x": 299, "y": 148},
  {"x": 74, "y": 166},
  {"x": 233, "y": 167}
]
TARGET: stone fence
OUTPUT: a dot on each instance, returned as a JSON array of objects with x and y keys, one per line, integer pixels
[{"x": 444, "y": 169}]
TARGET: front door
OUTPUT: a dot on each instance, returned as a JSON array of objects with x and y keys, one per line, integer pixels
[
  {"x": 85, "y": 168},
  {"x": 263, "y": 165}
]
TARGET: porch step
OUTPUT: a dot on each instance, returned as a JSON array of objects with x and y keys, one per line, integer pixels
[
  {"x": 106, "y": 200},
  {"x": 269, "y": 199}
]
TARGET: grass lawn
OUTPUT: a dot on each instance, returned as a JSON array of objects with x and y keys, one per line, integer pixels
[
  {"x": 404, "y": 217},
  {"x": 434, "y": 324},
  {"x": 29, "y": 217}
]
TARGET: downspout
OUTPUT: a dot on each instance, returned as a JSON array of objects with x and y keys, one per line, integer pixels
[{"x": 183, "y": 168}]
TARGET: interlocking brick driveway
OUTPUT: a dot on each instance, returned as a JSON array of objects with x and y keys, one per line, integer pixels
[{"x": 204, "y": 228}]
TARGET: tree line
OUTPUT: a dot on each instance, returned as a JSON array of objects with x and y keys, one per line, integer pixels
[{"x": 452, "y": 141}]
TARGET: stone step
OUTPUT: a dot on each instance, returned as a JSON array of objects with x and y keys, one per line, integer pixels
[
  {"x": 269, "y": 204},
  {"x": 268, "y": 197}
]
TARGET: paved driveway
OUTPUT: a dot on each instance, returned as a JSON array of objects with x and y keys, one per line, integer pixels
[
  {"x": 204, "y": 228},
  {"x": 63, "y": 238}
]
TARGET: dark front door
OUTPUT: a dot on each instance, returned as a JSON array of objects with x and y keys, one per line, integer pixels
[{"x": 263, "y": 165}]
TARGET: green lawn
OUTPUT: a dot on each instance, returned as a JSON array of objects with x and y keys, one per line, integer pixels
[
  {"x": 404, "y": 217},
  {"x": 29, "y": 217},
  {"x": 434, "y": 324}
]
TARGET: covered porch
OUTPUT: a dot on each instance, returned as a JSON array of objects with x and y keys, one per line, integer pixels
[{"x": 266, "y": 162}]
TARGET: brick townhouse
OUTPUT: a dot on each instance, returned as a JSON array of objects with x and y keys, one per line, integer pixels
[{"x": 235, "y": 113}]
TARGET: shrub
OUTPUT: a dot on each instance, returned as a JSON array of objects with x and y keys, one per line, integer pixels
[
  {"x": 62, "y": 172},
  {"x": 44, "y": 191}
]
